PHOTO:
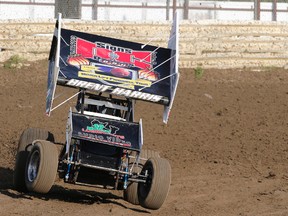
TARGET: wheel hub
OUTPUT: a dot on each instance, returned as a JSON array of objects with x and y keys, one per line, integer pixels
[{"x": 33, "y": 166}]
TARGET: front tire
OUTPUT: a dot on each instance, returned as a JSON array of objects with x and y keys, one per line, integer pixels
[
  {"x": 154, "y": 191},
  {"x": 41, "y": 167}
]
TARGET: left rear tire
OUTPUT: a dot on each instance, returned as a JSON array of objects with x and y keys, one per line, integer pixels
[
  {"x": 41, "y": 167},
  {"x": 24, "y": 148}
]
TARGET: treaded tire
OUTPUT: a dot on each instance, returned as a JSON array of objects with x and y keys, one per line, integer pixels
[
  {"x": 24, "y": 147},
  {"x": 131, "y": 193},
  {"x": 41, "y": 167},
  {"x": 153, "y": 193}
]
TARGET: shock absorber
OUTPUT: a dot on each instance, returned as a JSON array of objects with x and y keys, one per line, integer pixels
[
  {"x": 126, "y": 169},
  {"x": 69, "y": 162}
]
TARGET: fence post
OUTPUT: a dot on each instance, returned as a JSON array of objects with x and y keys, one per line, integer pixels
[
  {"x": 167, "y": 9},
  {"x": 95, "y": 10},
  {"x": 174, "y": 7},
  {"x": 257, "y": 9},
  {"x": 68, "y": 9},
  {"x": 186, "y": 9},
  {"x": 274, "y": 10}
]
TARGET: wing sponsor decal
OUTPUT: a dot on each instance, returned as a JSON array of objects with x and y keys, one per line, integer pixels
[
  {"x": 107, "y": 64},
  {"x": 116, "y": 91},
  {"x": 111, "y": 54},
  {"x": 111, "y": 64}
]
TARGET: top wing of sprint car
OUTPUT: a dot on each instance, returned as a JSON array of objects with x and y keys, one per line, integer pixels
[{"x": 119, "y": 67}]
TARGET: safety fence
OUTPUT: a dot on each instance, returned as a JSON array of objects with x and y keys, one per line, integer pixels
[
  {"x": 121, "y": 10},
  {"x": 209, "y": 44}
]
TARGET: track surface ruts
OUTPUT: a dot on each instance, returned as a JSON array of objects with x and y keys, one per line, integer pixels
[{"x": 226, "y": 141}]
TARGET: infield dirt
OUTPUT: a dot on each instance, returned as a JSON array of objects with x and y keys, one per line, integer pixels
[{"x": 226, "y": 142}]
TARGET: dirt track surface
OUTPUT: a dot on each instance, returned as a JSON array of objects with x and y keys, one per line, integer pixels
[{"x": 226, "y": 141}]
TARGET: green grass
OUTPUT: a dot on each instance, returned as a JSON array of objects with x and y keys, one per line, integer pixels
[
  {"x": 14, "y": 61},
  {"x": 198, "y": 72},
  {"x": 270, "y": 68}
]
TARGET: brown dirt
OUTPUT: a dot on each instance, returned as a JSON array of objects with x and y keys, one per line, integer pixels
[{"x": 226, "y": 142}]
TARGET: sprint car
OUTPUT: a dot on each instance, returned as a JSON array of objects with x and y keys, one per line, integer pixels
[{"x": 103, "y": 145}]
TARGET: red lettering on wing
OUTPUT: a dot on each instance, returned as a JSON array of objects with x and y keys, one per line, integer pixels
[
  {"x": 84, "y": 48},
  {"x": 140, "y": 59}
]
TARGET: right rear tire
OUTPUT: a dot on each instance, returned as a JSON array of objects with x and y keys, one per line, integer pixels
[
  {"x": 131, "y": 193},
  {"x": 154, "y": 191},
  {"x": 24, "y": 147}
]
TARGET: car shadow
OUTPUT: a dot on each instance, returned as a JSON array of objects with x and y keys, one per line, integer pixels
[
  {"x": 60, "y": 193},
  {"x": 6, "y": 178}
]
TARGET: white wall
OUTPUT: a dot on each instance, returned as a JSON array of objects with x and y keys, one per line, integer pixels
[{"x": 8, "y": 11}]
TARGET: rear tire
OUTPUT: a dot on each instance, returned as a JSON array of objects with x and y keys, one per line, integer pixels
[
  {"x": 41, "y": 167},
  {"x": 154, "y": 191},
  {"x": 24, "y": 147},
  {"x": 131, "y": 192}
]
